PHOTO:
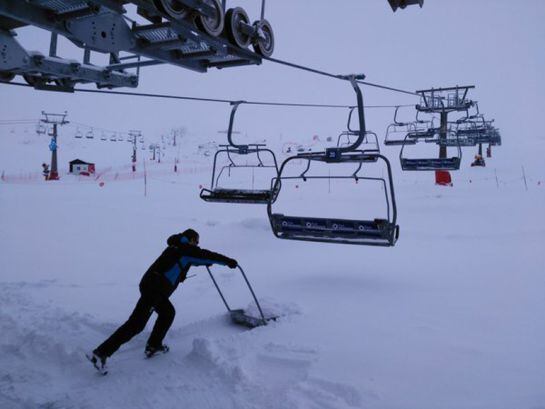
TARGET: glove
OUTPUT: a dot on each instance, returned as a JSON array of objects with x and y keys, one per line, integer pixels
[{"x": 232, "y": 263}]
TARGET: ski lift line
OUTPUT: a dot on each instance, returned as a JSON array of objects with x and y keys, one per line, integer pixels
[
  {"x": 218, "y": 100},
  {"x": 18, "y": 120},
  {"x": 100, "y": 129},
  {"x": 340, "y": 77},
  {"x": 231, "y": 102},
  {"x": 18, "y": 123}
]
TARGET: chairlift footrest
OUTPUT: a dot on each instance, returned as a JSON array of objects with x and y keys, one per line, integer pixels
[
  {"x": 378, "y": 232},
  {"x": 236, "y": 196},
  {"x": 430, "y": 164}
]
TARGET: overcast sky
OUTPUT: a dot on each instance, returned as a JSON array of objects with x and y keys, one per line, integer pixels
[{"x": 497, "y": 45}]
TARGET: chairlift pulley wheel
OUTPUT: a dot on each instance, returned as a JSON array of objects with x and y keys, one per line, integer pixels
[
  {"x": 64, "y": 83},
  {"x": 212, "y": 25},
  {"x": 264, "y": 42},
  {"x": 172, "y": 8},
  {"x": 6, "y": 76},
  {"x": 233, "y": 19},
  {"x": 31, "y": 79}
]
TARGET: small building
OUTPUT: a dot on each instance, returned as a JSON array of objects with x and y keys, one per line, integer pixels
[{"x": 80, "y": 167}]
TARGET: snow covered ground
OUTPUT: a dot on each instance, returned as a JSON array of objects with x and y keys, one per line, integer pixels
[{"x": 451, "y": 317}]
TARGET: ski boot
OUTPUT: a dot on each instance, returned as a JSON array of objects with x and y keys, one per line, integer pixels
[
  {"x": 152, "y": 350},
  {"x": 98, "y": 361}
]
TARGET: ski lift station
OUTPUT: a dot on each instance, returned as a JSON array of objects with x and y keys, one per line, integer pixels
[{"x": 80, "y": 167}]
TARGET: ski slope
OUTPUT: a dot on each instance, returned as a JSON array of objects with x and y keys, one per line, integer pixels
[{"x": 451, "y": 317}]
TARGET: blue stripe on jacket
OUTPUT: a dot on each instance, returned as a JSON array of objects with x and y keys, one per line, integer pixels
[{"x": 174, "y": 273}]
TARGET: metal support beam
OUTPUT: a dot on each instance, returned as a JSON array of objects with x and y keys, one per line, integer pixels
[
  {"x": 53, "y": 45},
  {"x": 124, "y": 66},
  {"x": 111, "y": 5}
]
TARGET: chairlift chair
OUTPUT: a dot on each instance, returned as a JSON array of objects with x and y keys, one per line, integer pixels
[
  {"x": 103, "y": 136},
  {"x": 218, "y": 194},
  {"x": 78, "y": 134},
  {"x": 422, "y": 129},
  {"x": 90, "y": 134},
  {"x": 431, "y": 135},
  {"x": 40, "y": 129},
  {"x": 477, "y": 130},
  {"x": 396, "y": 132},
  {"x": 113, "y": 137},
  {"x": 240, "y": 316},
  {"x": 432, "y": 164},
  {"x": 377, "y": 232}
]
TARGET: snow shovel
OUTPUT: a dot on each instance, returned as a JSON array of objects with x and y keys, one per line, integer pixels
[{"x": 240, "y": 316}]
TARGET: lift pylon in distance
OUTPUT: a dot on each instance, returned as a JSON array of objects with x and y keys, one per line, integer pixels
[
  {"x": 396, "y": 132},
  {"x": 371, "y": 231},
  {"x": 240, "y": 316},
  {"x": 222, "y": 172}
]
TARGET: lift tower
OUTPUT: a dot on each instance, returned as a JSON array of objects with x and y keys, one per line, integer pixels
[
  {"x": 55, "y": 120},
  {"x": 443, "y": 101},
  {"x": 134, "y": 135}
]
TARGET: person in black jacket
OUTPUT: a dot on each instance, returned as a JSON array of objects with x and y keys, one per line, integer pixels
[{"x": 156, "y": 286}]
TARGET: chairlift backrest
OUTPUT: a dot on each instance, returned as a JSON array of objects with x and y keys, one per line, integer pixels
[{"x": 376, "y": 232}]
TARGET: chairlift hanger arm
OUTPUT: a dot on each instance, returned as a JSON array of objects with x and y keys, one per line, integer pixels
[
  {"x": 361, "y": 118},
  {"x": 351, "y": 111},
  {"x": 235, "y": 105},
  {"x": 396, "y": 122}
]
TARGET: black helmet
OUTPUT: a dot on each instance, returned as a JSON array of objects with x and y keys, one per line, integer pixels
[{"x": 191, "y": 234}]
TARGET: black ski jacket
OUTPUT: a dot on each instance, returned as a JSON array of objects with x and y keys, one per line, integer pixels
[{"x": 171, "y": 267}]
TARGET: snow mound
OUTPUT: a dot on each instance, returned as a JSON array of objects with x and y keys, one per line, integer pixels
[
  {"x": 43, "y": 365},
  {"x": 269, "y": 375},
  {"x": 272, "y": 308}
]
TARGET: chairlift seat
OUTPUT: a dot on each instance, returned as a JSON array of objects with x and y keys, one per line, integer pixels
[
  {"x": 378, "y": 232},
  {"x": 453, "y": 142},
  {"x": 431, "y": 164},
  {"x": 428, "y": 133},
  {"x": 399, "y": 142},
  {"x": 218, "y": 195},
  {"x": 336, "y": 155}
]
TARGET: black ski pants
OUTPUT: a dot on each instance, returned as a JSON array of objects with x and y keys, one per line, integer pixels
[{"x": 149, "y": 301}]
